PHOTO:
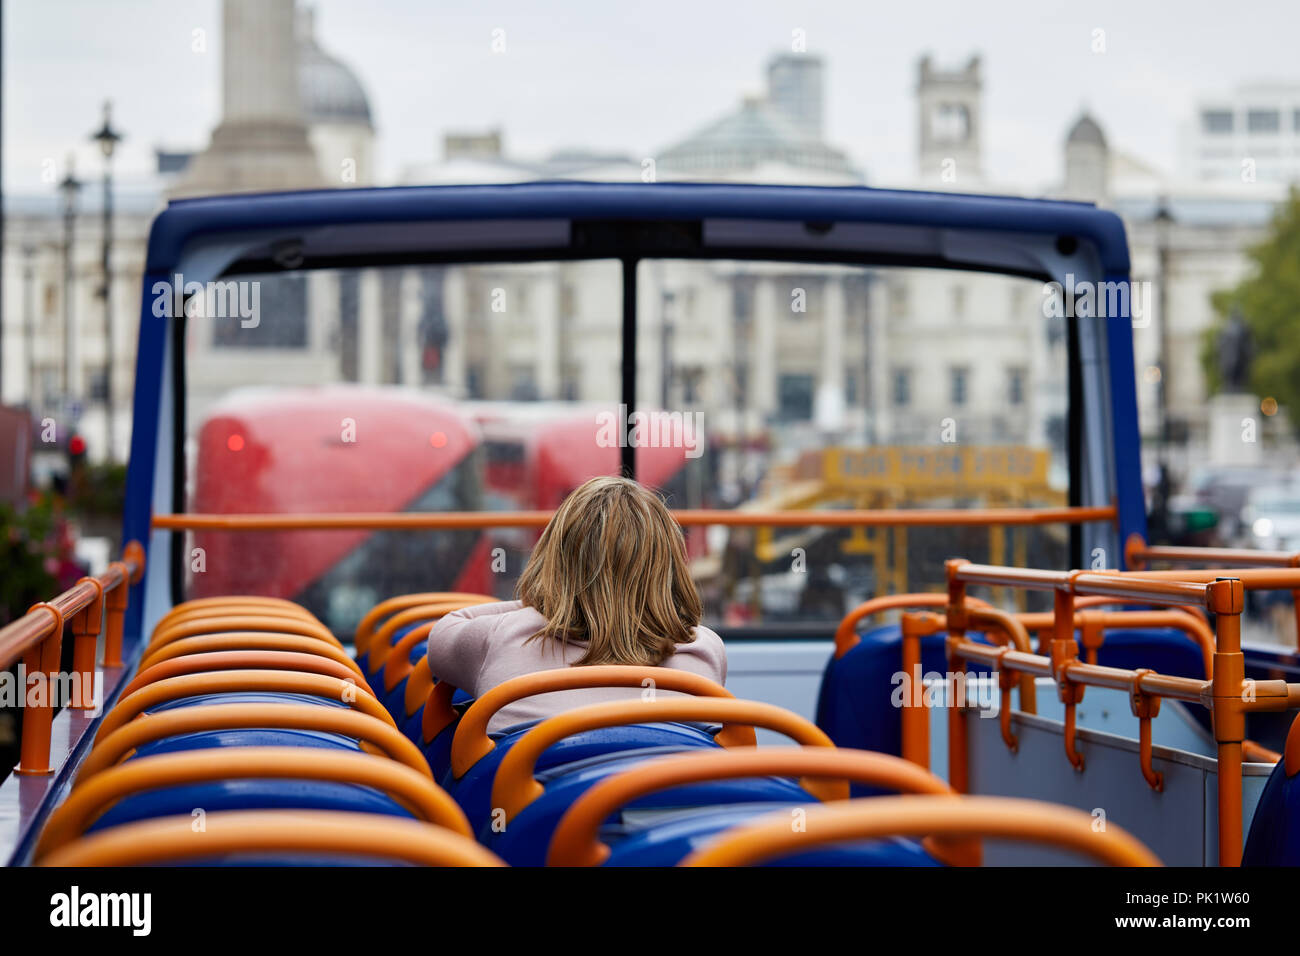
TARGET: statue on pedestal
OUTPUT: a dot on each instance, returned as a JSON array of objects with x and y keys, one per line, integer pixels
[{"x": 1236, "y": 351}]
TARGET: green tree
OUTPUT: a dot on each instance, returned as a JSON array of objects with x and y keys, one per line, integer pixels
[{"x": 1269, "y": 302}]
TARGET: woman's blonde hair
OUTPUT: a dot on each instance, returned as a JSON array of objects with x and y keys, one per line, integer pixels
[{"x": 610, "y": 571}]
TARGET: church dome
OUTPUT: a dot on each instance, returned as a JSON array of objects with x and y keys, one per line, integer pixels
[{"x": 330, "y": 92}]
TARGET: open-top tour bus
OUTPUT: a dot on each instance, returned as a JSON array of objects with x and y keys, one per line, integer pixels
[{"x": 954, "y": 621}]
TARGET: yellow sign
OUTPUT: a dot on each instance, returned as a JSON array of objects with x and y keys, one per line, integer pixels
[{"x": 972, "y": 468}]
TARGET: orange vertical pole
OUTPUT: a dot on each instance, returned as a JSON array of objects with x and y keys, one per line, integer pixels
[
  {"x": 915, "y": 716},
  {"x": 86, "y": 626},
  {"x": 958, "y": 757},
  {"x": 1226, "y": 599},
  {"x": 115, "y": 602},
  {"x": 38, "y": 713}
]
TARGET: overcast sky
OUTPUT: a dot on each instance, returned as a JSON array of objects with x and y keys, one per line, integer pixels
[{"x": 636, "y": 77}]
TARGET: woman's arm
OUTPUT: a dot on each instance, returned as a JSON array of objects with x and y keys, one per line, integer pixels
[{"x": 458, "y": 643}]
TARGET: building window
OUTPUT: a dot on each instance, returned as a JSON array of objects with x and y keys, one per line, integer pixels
[
  {"x": 1015, "y": 386},
  {"x": 1216, "y": 121},
  {"x": 796, "y": 398},
  {"x": 898, "y": 297},
  {"x": 97, "y": 385},
  {"x": 282, "y": 324},
  {"x": 1295, "y": 121},
  {"x": 902, "y": 387},
  {"x": 950, "y": 123},
  {"x": 958, "y": 384},
  {"x": 958, "y": 301},
  {"x": 851, "y": 386},
  {"x": 1263, "y": 121},
  {"x": 742, "y": 299},
  {"x": 523, "y": 383}
]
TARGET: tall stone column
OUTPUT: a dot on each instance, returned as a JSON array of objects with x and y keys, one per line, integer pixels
[
  {"x": 261, "y": 142},
  {"x": 829, "y": 408}
]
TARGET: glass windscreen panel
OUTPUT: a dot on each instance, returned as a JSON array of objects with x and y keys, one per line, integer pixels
[
  {"x": 826, "y": 387},
  {"x": 763, "y": 386},
  {"x": 415, "y": 389}
]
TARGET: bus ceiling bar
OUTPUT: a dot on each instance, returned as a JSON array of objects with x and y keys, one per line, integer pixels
[
  {"x": 414, "y": 521},
  {"x": 36, "y": 639}
]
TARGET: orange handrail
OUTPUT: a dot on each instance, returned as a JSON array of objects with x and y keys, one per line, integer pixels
[
  {"x": 172, "y": 840},
  {"x": 37, "y": 639},
  {"x": 92, "y": 797},
  {"x": 1093, "y": 624},
  {"x": 188, "y": 720},
  {"x": 877, "y": 817},
  {"x": 461, "y": 520},
  {"x": 472, "y": 743},
  {"x": 225, "y": 682},
  {"x": 215, "y": 661},
  {"x": 514, "y": 786},
  {"x": 1137, "y": 552},
  {"x": 371, "y": 619},
  {"x": 251, "y": 641},
  {"x": 1227, "y": 693},
  {"x": 576, "y": 841}
]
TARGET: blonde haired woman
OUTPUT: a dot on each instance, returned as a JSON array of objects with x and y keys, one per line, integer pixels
[{"x": 608, "y": 583}]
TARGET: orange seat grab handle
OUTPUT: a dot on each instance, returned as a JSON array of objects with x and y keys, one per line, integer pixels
[
  {"x": 514, "y": 788},
  {"x": 92, "y": 797},
  {"x": 576, "y": 839},
  {"x": 381, "y": 642},
  {"x": 846, "y": 635},
  {"x": 215, "y": 661},
  {"x": 226, "y": 682},
  {"x": 251, "y": 641},
  {"x": 214, "y": 605},
  {"x": 472, "y": 743},
  {"x": 365, "y": 629},
  {"x": 240, "y": 622},
  {"x": 189, "y": 720},
  {"x": 172, "y": 840},
  {"x": 233, "y": 610},
  {"x": 872, "y": 818},
  {"x": 398, "y": 663}
]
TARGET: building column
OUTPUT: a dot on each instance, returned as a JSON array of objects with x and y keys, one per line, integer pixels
[
  {"x": 370, "y": 339},
  {"x": 829, "y": 402}
]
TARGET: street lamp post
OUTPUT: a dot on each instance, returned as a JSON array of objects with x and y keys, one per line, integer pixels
[
  {"x": 29, "y": 323},
  {"x": 108, "y": 138},
  {"x": 1163, "y": 221},
  {"x": 68, "y": 189}
]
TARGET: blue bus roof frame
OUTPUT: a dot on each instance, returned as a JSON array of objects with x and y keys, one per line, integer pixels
[{"x": 245, "y": 221}]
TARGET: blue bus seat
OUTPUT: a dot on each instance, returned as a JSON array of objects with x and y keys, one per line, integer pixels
[
  {"x": 525, "y": 841},
  {"x": 473, "y": 791}
]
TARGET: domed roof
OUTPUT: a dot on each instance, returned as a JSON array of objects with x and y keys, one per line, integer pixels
[
  {"x": 754, "y": 133},
  {"x": 1086, "y": 130},
  {"x": 330, "y": 92}
]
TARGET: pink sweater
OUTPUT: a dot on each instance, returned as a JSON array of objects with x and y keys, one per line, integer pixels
[{"x": 482, "y": 646}]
